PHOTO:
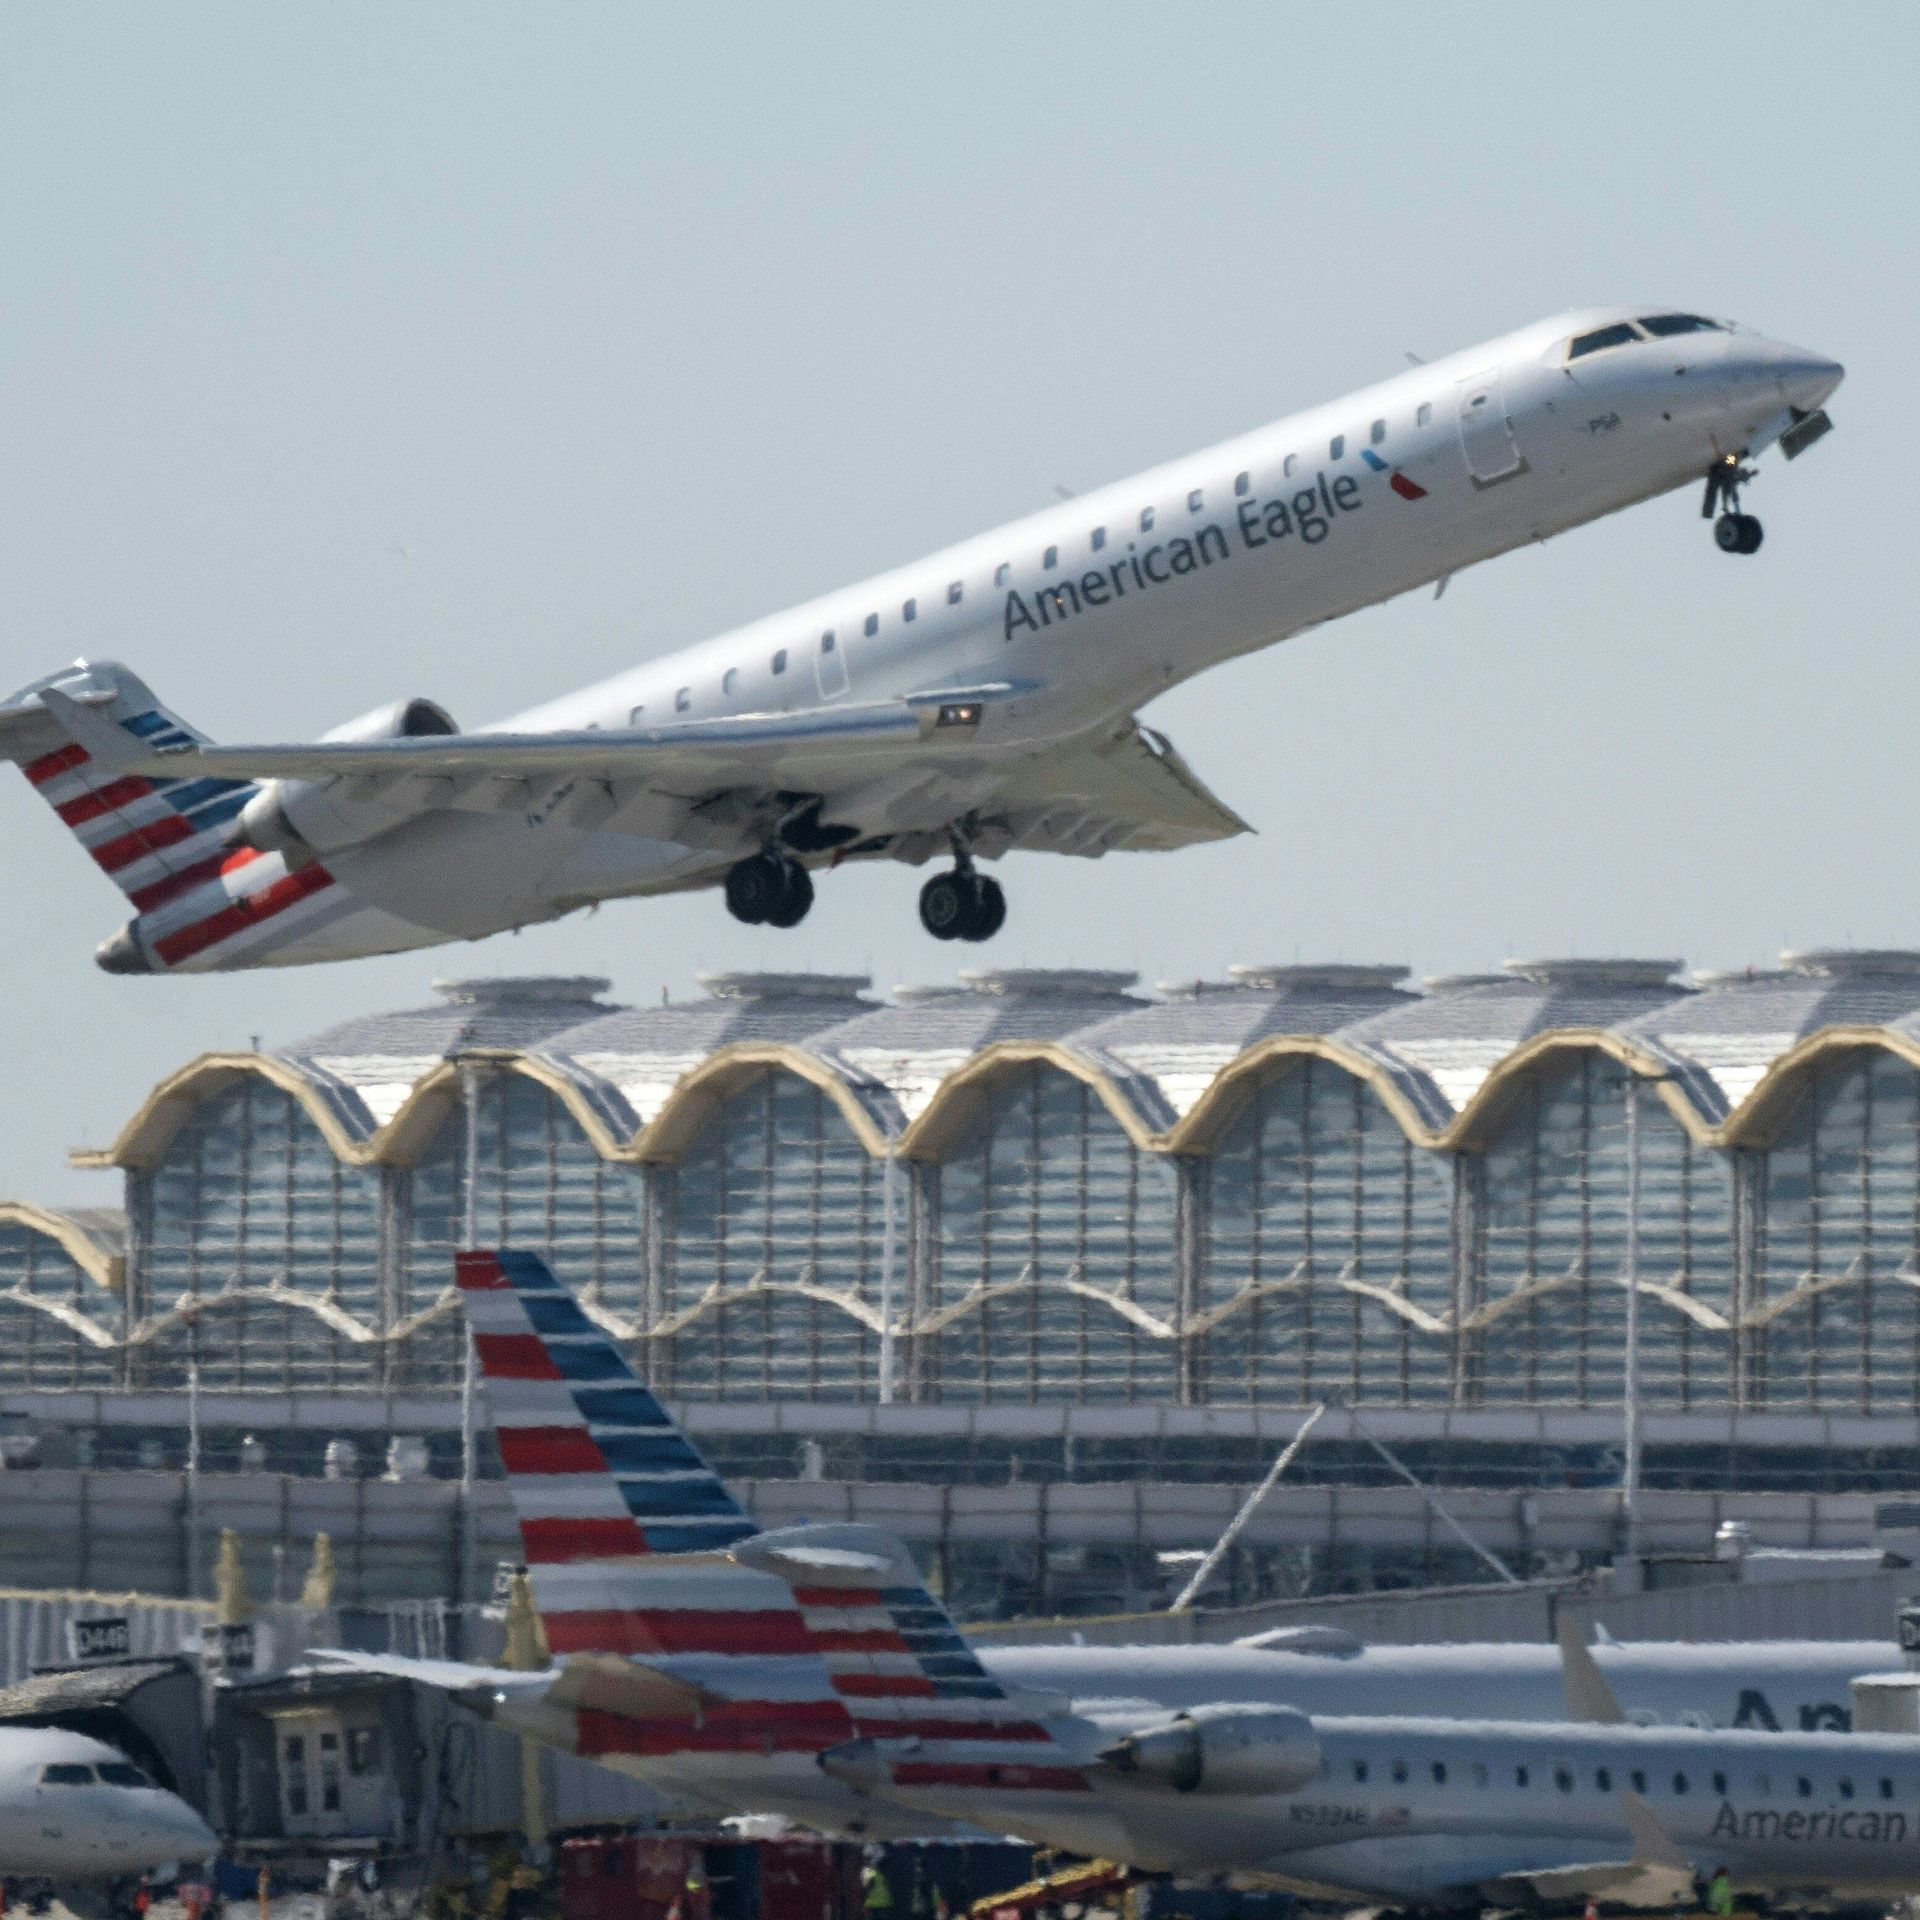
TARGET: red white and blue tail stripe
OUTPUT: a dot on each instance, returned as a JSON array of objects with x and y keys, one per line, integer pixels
[
  {"x": 625, "y": 1528},
  {"x": 164, "y": 843},
  {"x": 813, "y": 1636}
]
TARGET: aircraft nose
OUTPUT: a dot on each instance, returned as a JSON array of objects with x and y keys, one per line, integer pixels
[
  {"x": 1808, "y": 379},
  {"x": 1804, "y": 378}
]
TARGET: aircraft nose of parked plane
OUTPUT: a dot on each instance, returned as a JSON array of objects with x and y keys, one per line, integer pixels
[{"x": 155, "y": 1827}]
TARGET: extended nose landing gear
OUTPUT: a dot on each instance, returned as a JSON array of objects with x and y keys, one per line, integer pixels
[
  {"x": 768, "y": 889},
  {"x": 1734, "y": 531}
]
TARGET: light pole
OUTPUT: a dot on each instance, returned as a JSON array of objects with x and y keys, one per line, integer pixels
[{"x": 1630, "y": 1372}]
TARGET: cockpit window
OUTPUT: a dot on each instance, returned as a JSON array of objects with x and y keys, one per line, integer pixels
[
  {"x": 66, "y": 1773},
  {"x": 1662, "y": 324},
  {"x": 1620, "y": 334},
  {"x": 123, "y": 1773}
]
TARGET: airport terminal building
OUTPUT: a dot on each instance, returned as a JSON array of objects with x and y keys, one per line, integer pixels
[{"x": 1044, "y": 1229}]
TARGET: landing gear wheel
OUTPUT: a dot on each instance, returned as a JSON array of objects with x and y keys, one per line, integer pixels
[
  {"x": 1750, "y": 535},
  {"x": 757, "y": 888},
  {"x": 1737, "y": 533},
  {"x": 946, "y": 905},
  {"x": 962, "y": 906},
  {"x": 797, "y": 898},
  {"x": 990, "y": 909}
]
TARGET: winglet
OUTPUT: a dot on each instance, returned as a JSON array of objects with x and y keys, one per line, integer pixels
[{"x": 1589, "y": 1697}]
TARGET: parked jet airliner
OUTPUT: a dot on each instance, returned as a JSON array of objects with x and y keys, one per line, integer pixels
[
  {"x": 72, "y": 1809},
  {"x": 975, "y": 702},
  {"x": 663, "y": 1602}
]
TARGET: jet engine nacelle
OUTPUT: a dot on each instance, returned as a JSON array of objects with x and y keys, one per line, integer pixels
[
  {"x": 306, "y": 818},
  {"x": 1223, "y": 1748}
]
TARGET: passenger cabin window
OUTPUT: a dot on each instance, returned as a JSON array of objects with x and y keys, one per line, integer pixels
[
  {"x": 827, "y": 643},
  {"x": 1846, "y": 1787},
  {"x": 1099, "y": 539},
  {"x": 953, "y": 593},
  {"x": 1563, "y": 1779},
  {"x": 1051, "y": 558},
  {"x": 873, "y": 625},
  {"x": 1519, "y": 1776},
  {"x": 730, "y": 679},
  {"x": 1195, "y": 500},
  {"x": 1719, "y": 1783},
  {"x": 1679, "y": 1783},
  {"x": 683, "y": 700},
  {"x": 1336, "y": 446},
  {"x": 1886, "y": 1788},
  {"x": 1377, "y": 432},
  {"x": 1620, "y": 334},
  {"x": 908, "y": 609},
  {"x": 1806, "y": 1787},
  {"x": 1603, "y": 1780},
  {"x": 780, "y": 660},
  {"x": 633, "y": 719},
  {"x": 1439, "y": 1773},
  {"x": 1424, "y": 415},
  {"x": 1360, "y": 1770},
  {"x": 1000, "y": 573},
  {"x": 1242, "y": 483},
  {"x": 1400, "y": 1772},
  {"x": 1660, "y": 325},
  {"x": 1639, "y": 1779},
  {"x": 1146, "y": 519}
]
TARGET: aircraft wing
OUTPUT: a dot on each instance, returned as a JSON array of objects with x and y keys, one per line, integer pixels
[
  {"x": 903, "y": 769},
  {"x": 602, "y": 1683}
]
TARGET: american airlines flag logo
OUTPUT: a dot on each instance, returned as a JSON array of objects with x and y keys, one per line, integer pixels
[
  {"x": 625, "y": 1528},
  {"x": 161, "y": 843}
]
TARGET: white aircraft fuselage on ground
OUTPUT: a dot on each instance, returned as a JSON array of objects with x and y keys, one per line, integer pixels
[
  {"x": 74, "y": 1809},
  {"x": 978, "y": 701}
]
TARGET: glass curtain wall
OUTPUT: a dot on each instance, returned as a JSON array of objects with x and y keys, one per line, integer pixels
[
  {"x": 777, "y": 1218},
  {"x": 248, "y": 1196},
  {"x": 1314, "y": 1204},
  {"x": 1837, "y": 1243},
  {"x": 41, "y": 1349},
  {"x": 1040, "y": 1215}
]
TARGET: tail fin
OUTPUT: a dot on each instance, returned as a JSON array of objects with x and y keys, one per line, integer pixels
[
  {"x": 635, "y": 1547},
  {"x": 156, "y": 839}
]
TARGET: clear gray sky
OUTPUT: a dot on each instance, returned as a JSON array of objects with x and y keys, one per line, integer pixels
[{"x": 352, "y": 351}]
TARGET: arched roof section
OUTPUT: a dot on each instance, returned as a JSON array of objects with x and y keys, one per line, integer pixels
[
  {"x": 945, "y": 1117},
  {"x": 698, "y": 1095},
  {"x": 144, "y": 1139},
  {"x": 1760, "y": 1116},
  {"x": 1220, "y": 1105},
  {"x": 86, "y": 1239}
]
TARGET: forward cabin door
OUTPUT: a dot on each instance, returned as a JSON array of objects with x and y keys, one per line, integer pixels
[{"x": 1486, "y": 434}]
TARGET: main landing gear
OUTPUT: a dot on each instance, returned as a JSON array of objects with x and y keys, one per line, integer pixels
[
  {"x": 1733, "y": 531},
  {"x": 768, "y": 889},
  {"x": 963, "y": 904}
]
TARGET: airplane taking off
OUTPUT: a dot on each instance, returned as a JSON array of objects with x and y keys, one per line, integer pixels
[
  {"x": 976, "y": 702},
  {"x": 72, "y": 1809}
]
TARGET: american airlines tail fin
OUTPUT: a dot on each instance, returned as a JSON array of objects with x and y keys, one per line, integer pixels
[
  {"x": 155, "y": 838},
  {"x": 635, "y": 1548}
]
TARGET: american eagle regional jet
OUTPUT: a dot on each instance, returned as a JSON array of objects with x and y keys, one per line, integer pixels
[
  {"x": 976, "y": 702},
  {"x": 809, "y": 1671}
]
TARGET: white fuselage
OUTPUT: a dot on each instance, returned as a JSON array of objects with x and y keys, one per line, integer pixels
[
  {"x": 63, "y": 1819},
  {"x": 1426, "y": 1811},
  {"x": 1081, "y": 613}
]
